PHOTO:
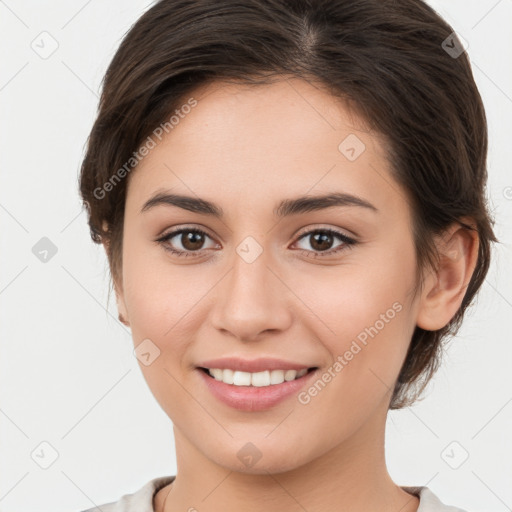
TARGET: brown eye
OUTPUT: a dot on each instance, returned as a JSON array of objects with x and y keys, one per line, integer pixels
[
  {"x": 321, "y": 241},
  {"x": 191, "y": 241}
]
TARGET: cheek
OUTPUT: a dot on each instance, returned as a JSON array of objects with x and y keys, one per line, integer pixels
[
  {"x": 161, "y": 303},
  {"x": 165, "y": 304},
  {"x": 362, "y": 313},
  {"x": 158, "y": 293},
  {"x": 365, "y": 327}
]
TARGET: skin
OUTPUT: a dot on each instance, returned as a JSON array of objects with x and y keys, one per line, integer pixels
[{"x": 246, "y": 148}]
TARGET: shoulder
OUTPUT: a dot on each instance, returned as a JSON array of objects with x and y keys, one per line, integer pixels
[
  {"x": 139, "y": 501},
  {"x": 429, "y": 502}
]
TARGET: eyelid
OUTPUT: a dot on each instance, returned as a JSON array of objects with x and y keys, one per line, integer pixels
[
  {"x": 348, "y": 241},
  {"x": 323, "y": 227},
  {"x": 298, "y": 234},
  {"x": 176, "y": 230}
]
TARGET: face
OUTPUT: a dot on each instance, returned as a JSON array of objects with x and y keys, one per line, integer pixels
[{"x": 324, "y": 285}]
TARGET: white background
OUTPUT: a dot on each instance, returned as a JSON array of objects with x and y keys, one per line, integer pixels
[{"x": 67, "y": 372}]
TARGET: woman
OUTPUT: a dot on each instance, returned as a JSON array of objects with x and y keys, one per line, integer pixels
[{"x": 291, "y": 196}]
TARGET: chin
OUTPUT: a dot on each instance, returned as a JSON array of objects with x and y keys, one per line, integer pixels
[{"x": 258, "y": 457}]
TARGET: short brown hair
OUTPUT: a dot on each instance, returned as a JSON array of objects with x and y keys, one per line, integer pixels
[{"x": 391, "y": 59}]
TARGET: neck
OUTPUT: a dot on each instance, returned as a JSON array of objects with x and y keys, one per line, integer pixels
[{"x": 350, "y": 477}]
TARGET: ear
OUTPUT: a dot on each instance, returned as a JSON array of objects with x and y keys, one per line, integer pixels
[
  {"x": 118, "y": 287},
  {"x": 121, "y": 305},
  {"x": 444, "y": 288}
]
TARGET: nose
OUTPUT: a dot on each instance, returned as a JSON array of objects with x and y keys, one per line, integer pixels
[{"x": 251, "y": 300}]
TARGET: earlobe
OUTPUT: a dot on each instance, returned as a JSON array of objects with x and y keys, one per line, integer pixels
[
  {"x": 445, "y": 288},
  {"x": 123, "y": 320},
  {"x": 121, "y": 306}
]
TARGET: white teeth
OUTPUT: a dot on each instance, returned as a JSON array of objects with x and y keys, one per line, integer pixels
[
  {"x": 257, "y": 379},
  {"x": 302, "y": 372},
  {"x": 241, "y": 379}
]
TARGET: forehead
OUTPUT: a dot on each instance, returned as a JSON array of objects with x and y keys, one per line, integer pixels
[
  {"x": 286, "y": 111},
  {"x": 245, "y": 144}
]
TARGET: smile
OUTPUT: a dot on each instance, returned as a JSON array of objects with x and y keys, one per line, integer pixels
[
  {"x": 257, "y": 391},
  {"x": 256, "y": 379}
]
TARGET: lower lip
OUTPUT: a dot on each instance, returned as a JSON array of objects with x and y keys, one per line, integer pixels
[{"x": 253, "y": 398}]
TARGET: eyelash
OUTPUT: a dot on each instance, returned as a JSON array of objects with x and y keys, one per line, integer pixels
[{"x": 348, "y": 242}]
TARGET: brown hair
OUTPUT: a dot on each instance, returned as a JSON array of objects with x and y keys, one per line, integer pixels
[{"x": 397, "y": 61}]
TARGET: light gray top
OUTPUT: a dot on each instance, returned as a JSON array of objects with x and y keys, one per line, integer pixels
[{"x": 142, "y": 499}]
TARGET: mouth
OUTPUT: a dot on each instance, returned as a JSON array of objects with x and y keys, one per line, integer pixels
[
  {"x": 255, "y": 391},
  {"x": 256, "y": 379}
]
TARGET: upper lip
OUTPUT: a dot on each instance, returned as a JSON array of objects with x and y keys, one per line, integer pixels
[{"x": 252, "y": 365}]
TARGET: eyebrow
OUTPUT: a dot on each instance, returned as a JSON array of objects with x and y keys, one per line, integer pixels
[{"x": 285, "y": 208}]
